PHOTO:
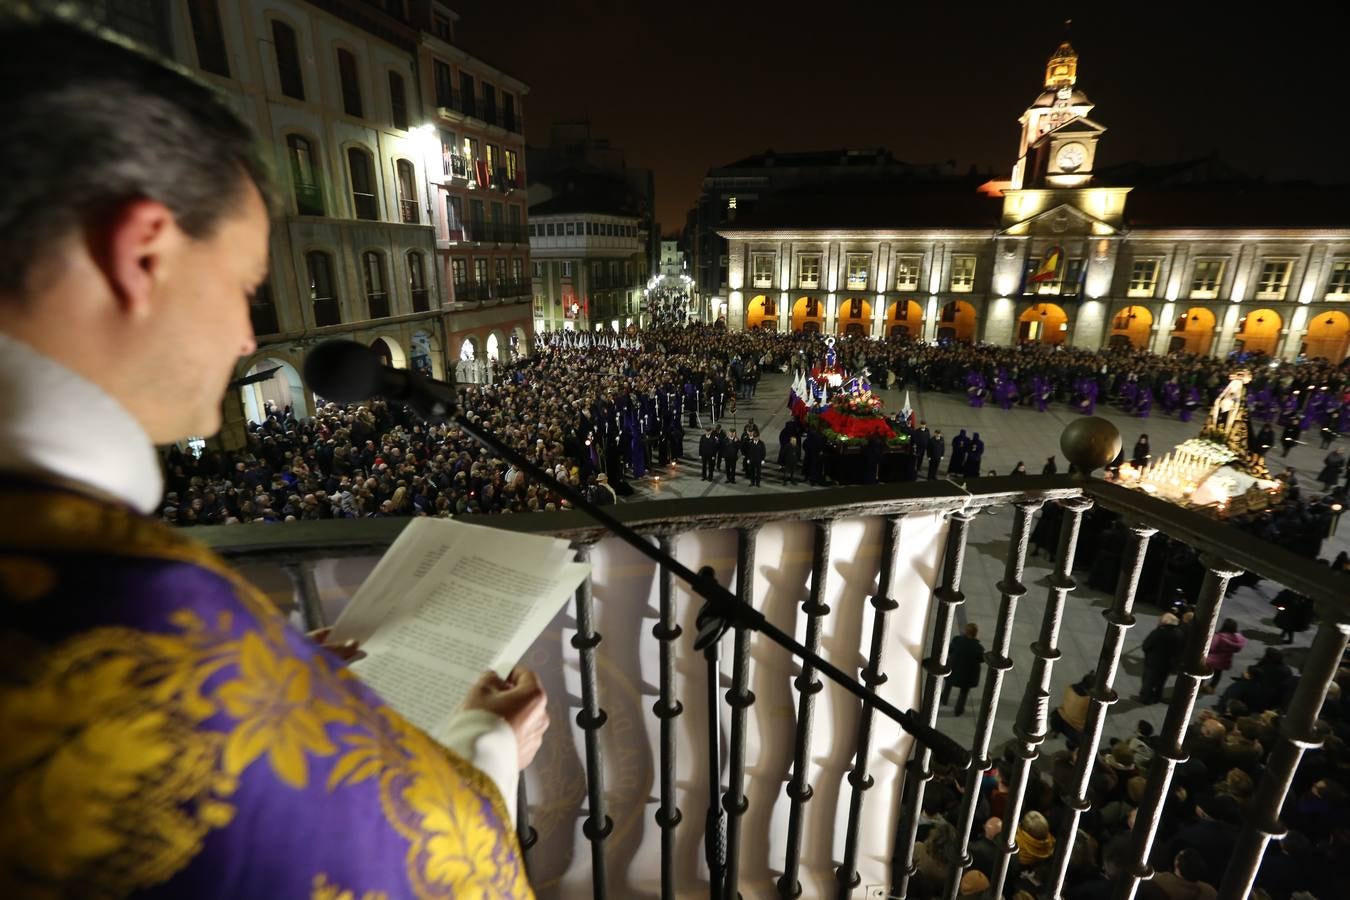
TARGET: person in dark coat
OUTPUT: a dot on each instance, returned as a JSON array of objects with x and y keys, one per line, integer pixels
[
  {"x": 937, "y": 448},
  {"x": 872, "y": 453},
  {"x": 730, "y": 450},
  {"x": 919, "y": 441},
  {"x": 1264, "y": 440},
  {"x": 1295, "y": 614},
  {"x": 755, "y": 452},
  {"x": 1290, "y": 437},
  {"x": 965, "y": 655},
  {"x": 1161, "y": 648},
  {"x": 1049, "y": 468},
  {"x": 974, "y": 457},
  {"x": 709, "y": 447},
  {"x": 790, "y": 456},
  {"x": 1142, "y": 453},
  {"x": 960, "y": 447},
  {"x": 1331, "y": 469}
]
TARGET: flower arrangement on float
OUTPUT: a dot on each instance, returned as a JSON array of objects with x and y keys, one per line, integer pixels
[{"x": 862, "y": 403}]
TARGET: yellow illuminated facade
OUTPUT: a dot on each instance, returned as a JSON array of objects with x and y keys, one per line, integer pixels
[{"x": 1162, "y": 284}]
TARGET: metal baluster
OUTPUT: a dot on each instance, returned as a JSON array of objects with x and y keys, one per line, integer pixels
[
  {"x": 525, "y": 832},
  {"x": 1032, "y": 714},
  {"x": 1119, "y": 619},
  {"x": 847, "y": 874},
  {"x": 1261, "y": 820},
  {"x": 1010, "y": 589},
  {"x": 1168, "y": 752},
  {"x": 798, "y": 791},
  {"x": 306, "y": 588},
  {"x": 715, "y": 825},
  {"x": 917, "y": 771},
  {"x": 740, "y": 698},
  {"x": 591, "y": 718},
  {"x": 667, "y": 708}
]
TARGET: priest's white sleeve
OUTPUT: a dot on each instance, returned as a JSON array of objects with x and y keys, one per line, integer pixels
[{"x": 487, "y": 741}]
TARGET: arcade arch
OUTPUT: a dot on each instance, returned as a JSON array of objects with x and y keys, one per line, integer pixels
[
  {"x": 1258, "y": 332},
  {"x": 762, "y": 312},
  {"x": 1328, "y": 336},
  {"x": 284, "y": 388},
  {"x": 808, "y": 314},
  {"x": 904, "y": 318},
  {"x": 956, "y": 322},
  {"x": 1193, "y": 332},
  {"x": 1131, "y": 327},
  {"x": 855, "y": 317},
  {"x": 1045, "y": 323}
]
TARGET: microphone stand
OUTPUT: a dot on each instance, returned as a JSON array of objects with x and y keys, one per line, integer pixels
[{"x": 721, "y": 609}]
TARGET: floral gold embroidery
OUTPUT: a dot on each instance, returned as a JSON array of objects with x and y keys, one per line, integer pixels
[
  {"x": 88, "y": 750},
  {"x": 277, "y": 714},
  {"x": 321, "y": 889}
]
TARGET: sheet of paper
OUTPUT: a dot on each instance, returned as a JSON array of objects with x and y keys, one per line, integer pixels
[{"x": 449, "y": 601}]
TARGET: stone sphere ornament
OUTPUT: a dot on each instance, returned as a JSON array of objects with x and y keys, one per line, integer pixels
[{"x": 1090, "y": 443}]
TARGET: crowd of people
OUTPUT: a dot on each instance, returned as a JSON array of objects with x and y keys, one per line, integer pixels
[
  {"x": 1226, "y": 746},
  {"x": 597, "y": 410}
]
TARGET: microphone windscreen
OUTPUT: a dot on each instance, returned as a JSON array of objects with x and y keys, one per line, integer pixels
[{"x": 343, "y": 371}]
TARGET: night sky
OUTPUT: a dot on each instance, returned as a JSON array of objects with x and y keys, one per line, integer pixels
[{"x": 685, "y": 86}]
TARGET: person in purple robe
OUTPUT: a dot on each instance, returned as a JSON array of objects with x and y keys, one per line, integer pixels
[
  {"x": 1171, "y": 396},
  {"x": 1263, "y": 405},
  {"x": 168, "y": 731},
  {"x": 637, "y": 452},
  {"x": 1190, "y": 404},
  {"x": 1087, "y": 395},
  {"x": 1129, "y": 394},
  {"x": 1042, "y": 389},
  {"x": 975, "y": 388},
  {"x": 1144, "y": 405},
  {"x": 1005, "y": 389}
]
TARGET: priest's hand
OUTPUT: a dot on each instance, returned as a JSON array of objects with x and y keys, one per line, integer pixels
[
  {"x": 521, "y": 701},
  {"x": 349, "y": 652}
]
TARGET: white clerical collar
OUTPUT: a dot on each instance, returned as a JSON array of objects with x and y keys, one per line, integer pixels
[{"x": 55, "y": 422}]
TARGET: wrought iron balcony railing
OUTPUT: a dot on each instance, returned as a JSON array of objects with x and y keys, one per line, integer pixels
[{"x": 867, "y": 576}]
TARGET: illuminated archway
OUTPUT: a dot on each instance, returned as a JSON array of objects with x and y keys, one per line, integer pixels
[
  {"x": 1046, "y": 323},
  {"x": 855, "y": 317},
  {"x": 761, "y": 312},
  {"x": 1328, "y": 336},
  {"x": 494, "y": 347},
  {"x": 390, "y": 352},
  {"x": 1258, "y": 332},
  {"x": 284, "y": 388},
  {"x": 904, "y": 318},
  {"x": 520, "y": 342},
  {"x": 1193, "y": 332},
  {"x": 808, "y": 314},
  {"x": 468, "y": 349},
  {"x": 1131, "y": 326},
  {"x": 956, "y": 322}
]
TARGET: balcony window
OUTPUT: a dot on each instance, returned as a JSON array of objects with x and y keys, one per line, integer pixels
[
  {"x": 445, "y": 84},
  {"x": 466, "y": 94},
  {"x": 808, "y": 271},
  {"x": 350, "y": 78},
  {"x": 287, "y": 52},
  {"x": 409, "y": 210},
  {"x": 362, "y": 171},
  {"x": 262, "y": 309},
  {"x": 1207, "y": 278},
  {"x": 1143, "y": 278},
  {"x": 1274, "y": 279},
  {"x": 417, "y": 282},
  {"x": 454, "y": 215},
  {"x": 509, "y": 112},
  {"x": 856, "y": 273},
  {"x": 1338, "y": 286},
  {"x": 322, "y": 296},
  {"x": 398, "y": 102},
  {"x": 489, "y": 104},
  {"x": 304, "y": 176},
  {"x": 208, "y": 37},
  {"x": 377, "y": 293},
  {"x": 963, "y": 274},
  {"x": 459, "y": 274},
  {"x": 762, "y": 270},
  {"x": 907, "y": 272}
]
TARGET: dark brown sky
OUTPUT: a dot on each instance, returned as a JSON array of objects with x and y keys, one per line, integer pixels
[{"x": 684, "y": 86}]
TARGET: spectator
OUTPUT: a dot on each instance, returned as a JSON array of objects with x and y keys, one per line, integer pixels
[{"x": 965, "y": 655}]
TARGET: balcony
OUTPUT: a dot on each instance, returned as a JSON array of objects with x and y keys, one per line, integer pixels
[
  {"x": 409, "y": 212},
  {"x": 264, "y": 317},
  {"x": 473, "y": 292},
  {"x": 657, "y": 761},
  {"x": 327, "y": 311},
  {"x": 514, "y": 288},
  {"x": 495, "y": 232},
  {"x": 421, "y": 300},
  {"x": 378, "y": 304}
]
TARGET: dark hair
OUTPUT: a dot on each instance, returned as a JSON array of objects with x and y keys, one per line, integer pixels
[
  {"x": 1144, "y": 727},
  {"x": 132, "y": 127},
  {"x": 1229, "y": 625}
]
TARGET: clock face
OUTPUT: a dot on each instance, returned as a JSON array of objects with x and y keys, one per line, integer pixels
[{"x": 1071, "y": 156}]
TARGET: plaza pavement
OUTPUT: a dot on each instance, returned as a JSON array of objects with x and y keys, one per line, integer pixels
[{"x": 1022, "y": 434}]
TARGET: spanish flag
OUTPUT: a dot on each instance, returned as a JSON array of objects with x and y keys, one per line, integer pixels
[{"x": 1049, "y": 269}]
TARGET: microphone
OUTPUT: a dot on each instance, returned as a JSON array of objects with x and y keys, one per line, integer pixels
[{"x": 348, "y": 372}]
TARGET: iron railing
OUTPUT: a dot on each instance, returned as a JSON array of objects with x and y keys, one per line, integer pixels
[{"x": 1224, "y": 552}]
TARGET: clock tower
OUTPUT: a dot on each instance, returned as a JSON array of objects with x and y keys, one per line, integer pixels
[{"x": 1059, "y": 142}]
